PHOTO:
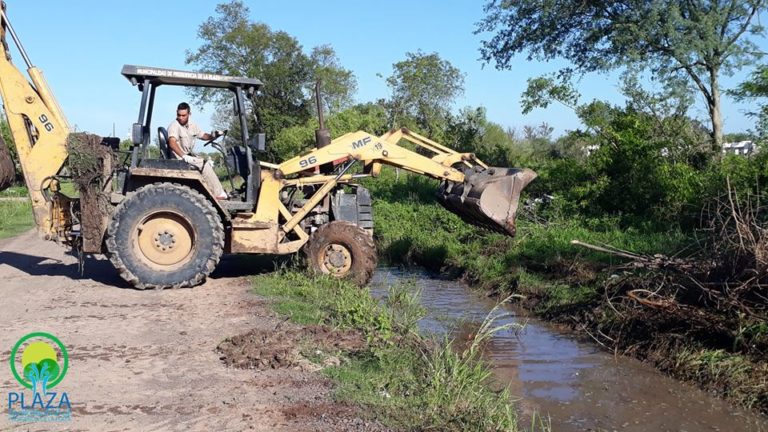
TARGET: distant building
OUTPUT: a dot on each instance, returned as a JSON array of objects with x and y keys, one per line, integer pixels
[
  {"x": 588, "y": 150},
  {"x": 744, "y": 148}
]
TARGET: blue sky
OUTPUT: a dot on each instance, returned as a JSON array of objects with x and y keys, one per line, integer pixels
[{"x": 81, "y": 45}]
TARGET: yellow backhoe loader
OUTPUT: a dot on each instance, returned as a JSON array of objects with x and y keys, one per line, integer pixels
[{"x": 157, "y": 220}]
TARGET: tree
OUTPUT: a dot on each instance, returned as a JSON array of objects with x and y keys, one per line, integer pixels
[
  {"x": 696, "y": 39},
  {"x": 755, "y": 87},
  {"x": 338, "y": 84},
  {"x": 424, "y": 87},
  {"x": 233, "y": 45},
  {"x": 294, "y": 140},
  {"x": 471, "y": 132}
]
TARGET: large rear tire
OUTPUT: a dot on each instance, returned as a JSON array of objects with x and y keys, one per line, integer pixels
[
  {"x": 165, "y": 236},
  {"x": 344, "y": 250}
]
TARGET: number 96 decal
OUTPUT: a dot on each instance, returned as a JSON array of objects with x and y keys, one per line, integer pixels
[
  {"x": 308, "y": 161},
  {"x": 46, "y": 123}
]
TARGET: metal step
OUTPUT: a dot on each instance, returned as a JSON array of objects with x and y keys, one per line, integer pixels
[{"x": 235, "y": 206}]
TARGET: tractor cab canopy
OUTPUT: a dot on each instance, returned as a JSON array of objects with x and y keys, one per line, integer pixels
[
  {"x": 149, "y": 79},
  {"x": 139, "y": 75}
]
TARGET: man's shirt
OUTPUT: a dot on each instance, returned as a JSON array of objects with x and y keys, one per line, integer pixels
[{"x": 185, "y": 136}]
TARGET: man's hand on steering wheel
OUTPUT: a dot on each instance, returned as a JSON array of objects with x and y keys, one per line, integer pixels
[{"x": 215, "y": 135}]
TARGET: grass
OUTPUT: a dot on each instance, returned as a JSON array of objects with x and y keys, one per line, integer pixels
[
  {"x": 14, "y": 191},
  {"x": 68, "y": 188},
  {"x": 401, "y": 379},
  {"x": 15, "y": 217},
  {"x": 732, "y": 375}
]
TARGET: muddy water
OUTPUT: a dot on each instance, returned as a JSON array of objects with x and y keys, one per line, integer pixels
[{"x": 577, "y": 386}]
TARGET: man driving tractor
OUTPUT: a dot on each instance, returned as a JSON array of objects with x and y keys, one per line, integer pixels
[{"x": 181, "y": 139}]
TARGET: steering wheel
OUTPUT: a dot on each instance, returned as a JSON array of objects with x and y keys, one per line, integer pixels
[
  {"x": 162, "y": 143},
  {"x": 212, "y": 140}
]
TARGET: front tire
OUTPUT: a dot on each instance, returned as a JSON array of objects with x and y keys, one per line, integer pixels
[
  {"x": 165, "y": 236},
  {"x": 344, "y": 250}
]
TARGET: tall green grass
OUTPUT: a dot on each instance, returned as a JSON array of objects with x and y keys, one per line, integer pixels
[
  {"x": 15, "y": 217},
  {"x": 405, "y": 381}
]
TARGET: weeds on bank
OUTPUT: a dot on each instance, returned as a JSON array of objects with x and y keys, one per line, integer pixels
[
  {"x": 406, "y": 381},
  {"x": 732, "y": 375}
]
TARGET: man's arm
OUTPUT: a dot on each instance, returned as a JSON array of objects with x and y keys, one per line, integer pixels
[
  {"x": 206, "y": 136},
  {"x": 173, "y": 143}
]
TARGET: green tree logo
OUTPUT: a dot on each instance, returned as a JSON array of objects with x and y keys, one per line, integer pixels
[{"x": 43, "y": 360}]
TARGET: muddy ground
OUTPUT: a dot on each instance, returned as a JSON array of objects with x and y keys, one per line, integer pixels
[{"x": 148, "y": 360}]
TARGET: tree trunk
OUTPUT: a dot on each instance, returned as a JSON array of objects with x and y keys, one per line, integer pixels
[{"x": 715, "y": 114}]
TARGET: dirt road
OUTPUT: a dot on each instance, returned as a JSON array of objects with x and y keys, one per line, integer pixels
[{"x": 146, "y": 360}]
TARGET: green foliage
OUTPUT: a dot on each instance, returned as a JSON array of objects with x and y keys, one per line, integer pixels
[
  {"x": 338, "y": 86},
  {"x": 292, "y": 141},
  {"x": 472, "y": 132},
  {"x": 411, "y": 228},
  {"x": 352, "y": 310},
  {"x": 695, "y": 41},
  {"x": 15, "y": 217},
  {"x": 424, "y": 86},
  {"x": 732, "y": 375},
  {"x": 541, "y": 91},
  {"x": 326, "y": 299},
  {"x": 755, "y": 88},
  {"x": 16, "y": 191},
  {"x": 233, "y": 45},
  {"x": 5, "y": 133},
  {"x": 637, "y": 166},
  {"x": 9, "y": 167}
]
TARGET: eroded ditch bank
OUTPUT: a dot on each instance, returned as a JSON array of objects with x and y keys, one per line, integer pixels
[
  {"x": 577, "y": 385},
  {"x": 372, "y": 352}
]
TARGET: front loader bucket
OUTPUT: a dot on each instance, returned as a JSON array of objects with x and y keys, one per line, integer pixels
[
  {"x": 488, "y": 198},
  {"x": 7, "y": 168}
]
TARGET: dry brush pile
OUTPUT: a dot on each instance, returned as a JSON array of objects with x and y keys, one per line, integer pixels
[{"x": 702, "y": 313}]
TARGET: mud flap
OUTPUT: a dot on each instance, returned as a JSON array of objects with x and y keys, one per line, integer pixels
[
  {"x": 7, "y": 167},
  {"x": 489, "y": 198}
]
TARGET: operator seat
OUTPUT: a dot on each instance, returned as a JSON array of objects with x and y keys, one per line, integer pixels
[{"x": 162, "y": 142}]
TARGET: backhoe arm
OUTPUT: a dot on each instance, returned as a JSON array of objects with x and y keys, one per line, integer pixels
[
  {"x": 39, "y": 129},
  {"x": 481, "y": 195}
]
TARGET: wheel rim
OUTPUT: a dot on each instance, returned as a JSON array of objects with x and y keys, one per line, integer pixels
[
  {"x": 335, "y": 259},
  {"x": 164, "y": 240}
]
